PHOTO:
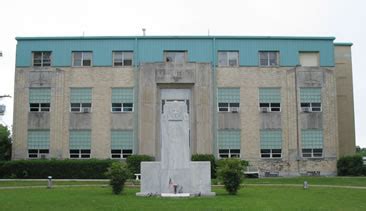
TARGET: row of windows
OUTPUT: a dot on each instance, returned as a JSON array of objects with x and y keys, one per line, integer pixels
[
  {"x": 80, "y": 99},
  {"x": 225, "y": 58},
  {"x": 80, "y": 143},
  {"x": 228, "y": 99},
  {"x": 229, "y": 143},
  {"x": 122, "y": 99}
]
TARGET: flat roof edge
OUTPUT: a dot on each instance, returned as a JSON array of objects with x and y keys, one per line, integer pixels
[
  {"x": 343, "y": 44},
  {"x": 174, "y": 37}
]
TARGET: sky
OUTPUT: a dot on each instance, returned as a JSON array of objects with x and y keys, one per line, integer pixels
[{"x": 345, "y": 20}]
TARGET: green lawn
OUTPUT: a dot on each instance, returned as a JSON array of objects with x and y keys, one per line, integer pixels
[{"x": 250, "y": 198}]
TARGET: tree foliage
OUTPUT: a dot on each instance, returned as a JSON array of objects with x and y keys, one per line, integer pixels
[{"x": 5, "y": 143}]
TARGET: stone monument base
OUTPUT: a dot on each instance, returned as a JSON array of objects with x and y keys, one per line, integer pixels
[{"x": 194, "y": 180}]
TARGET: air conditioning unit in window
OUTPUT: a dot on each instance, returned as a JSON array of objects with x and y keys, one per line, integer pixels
[
  {"x": 43, "y": 156},
  {"x": 234, "y": 109},
  {"x": 306, "y": 109},
  {"x": 265, "y": 109},
  {"x": 86, "y": 110}
]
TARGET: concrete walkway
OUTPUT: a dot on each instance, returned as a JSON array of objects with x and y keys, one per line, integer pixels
[{"x": 136, "y": 186}]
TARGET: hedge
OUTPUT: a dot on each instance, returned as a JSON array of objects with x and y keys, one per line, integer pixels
[
  {"x": 207, "y": 157},
  {"x": 58, "y": 169},
  {"x": 351, "y": 166},
  {"x": 134, "y": 163}
]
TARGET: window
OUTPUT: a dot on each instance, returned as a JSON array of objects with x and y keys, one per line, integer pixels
[
  {"x": 121, "y": 143},
  {"x": 39, "y": 99},
  {"x": 41, "y": 58},
  {"x": 271, "y": 143},
  {"x": 122, "y": 58},
  {"x": 229, "y": 143},
  {"x": 82, "y": 59},
  {"x": 312, "y": 143},
  {"x": 80, "y": 143},
  {"x": 175, "y": 57},
  {"x": 310, "y": 99},
  {"x": 80, "y": 100},
  {"x": 228, "y": 58},
  {"x": 228, "y": 99},
  {"x": 270, "y": 99},
  {"x": 38, "y": 143},
  {"x": 268, "y": 58},
  {"x": 122, "y": 99},
  {"x": 309, "y": 59}
]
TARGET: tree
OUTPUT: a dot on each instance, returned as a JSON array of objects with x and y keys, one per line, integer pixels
[{"x": 5, "y": 143}]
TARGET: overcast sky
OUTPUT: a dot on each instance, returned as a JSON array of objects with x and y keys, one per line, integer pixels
[{"x": 346, "y": 20}]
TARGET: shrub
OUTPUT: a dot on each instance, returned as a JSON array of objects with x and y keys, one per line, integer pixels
[
  {"x": 207, "y": 157},
  {"x": 350, "y": 166},
  {"x": 134, "y": 162},
  {"x": 118, "y": 174},
  {"x": 58, "y": 169},
  {"x": 230, "y": 172}
]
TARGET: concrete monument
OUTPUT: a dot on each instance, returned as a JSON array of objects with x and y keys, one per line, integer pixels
[{"x": 175, "y": 175}]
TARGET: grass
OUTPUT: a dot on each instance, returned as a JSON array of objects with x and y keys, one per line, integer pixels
[{"x": 250, "y": 198}]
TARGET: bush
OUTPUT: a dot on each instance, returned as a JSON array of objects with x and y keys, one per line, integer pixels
[
  {"x": 350, "y": 166},
  {"x": 207, "y": 157},
  {"x": 58, "y": 169},
  {"x": 118, "y": 174},
  {"x": 134, "y": 163},
  {"x": 230, "y": 172}
]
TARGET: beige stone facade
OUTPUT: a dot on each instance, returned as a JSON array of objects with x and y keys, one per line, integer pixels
[{"x": 202, "y": 80}]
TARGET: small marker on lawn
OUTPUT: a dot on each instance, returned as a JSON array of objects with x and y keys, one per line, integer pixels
[{"x": 49, "y": 185}]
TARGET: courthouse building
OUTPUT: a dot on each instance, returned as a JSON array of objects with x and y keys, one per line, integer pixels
[{"x": 285, "y": 104}]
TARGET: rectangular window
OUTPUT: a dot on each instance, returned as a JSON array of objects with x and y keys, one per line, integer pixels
[
  {"x": 228, "y": 58},
  {"x": 175, "y": 57},
  {"x": 228, "y": 99},
  {"x": 80, "y": 100},
  {"x": 310, "y": 99},
  {"x": 82, "y": 58},
  {"x": 229, "y": 143},
  {"x": 39, "y": 99},
  {"x": 268, "y": 58},
  {"x": 271, "y": 143},
  {"x": 79, "y": 143},
  {"x": 122, "y": 58},
  {"x": 38, "y": 144},
  {"x": 309, "y": 59},
  {"x": 122, "y": 99},
  {"x": 41, "y": 58},
  {"x": 121, "y": 143},
  {"x": 312, "y": 143},
  {"x": 270, "y": 99}
]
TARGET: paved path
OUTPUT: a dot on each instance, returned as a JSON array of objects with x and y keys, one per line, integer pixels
[
  {"x": 136, "y": 186},
  {"x": 309, "y": 185}
]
